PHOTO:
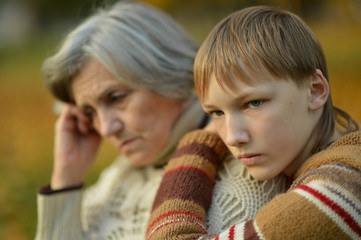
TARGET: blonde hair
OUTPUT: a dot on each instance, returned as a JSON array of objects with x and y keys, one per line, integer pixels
[
  {"x": 268, "y": 40},
  {"x": 140, "y": 45}
]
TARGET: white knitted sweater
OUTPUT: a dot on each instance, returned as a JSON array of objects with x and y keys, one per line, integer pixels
[
  {"x": 117, "y": 208},
  {"x": 237, "y": 196}
]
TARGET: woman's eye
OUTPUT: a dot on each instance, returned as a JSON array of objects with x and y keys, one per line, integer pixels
[
  {"x": 117, "y": 96},
  {"x": 89, "y": 113},
  {"x": 217, "y": 113},
  {"x": 255, "y": 103}
]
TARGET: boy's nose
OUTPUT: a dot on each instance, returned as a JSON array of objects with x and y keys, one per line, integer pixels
[{"x": 236, "y": 130}]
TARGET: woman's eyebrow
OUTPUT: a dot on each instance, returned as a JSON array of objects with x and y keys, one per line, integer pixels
[
  {"x": 101, "y": 96},
  {"x": 105, "y": 92}
]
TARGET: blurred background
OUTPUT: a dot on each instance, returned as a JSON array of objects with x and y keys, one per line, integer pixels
[{"x": 30, "y": 30}]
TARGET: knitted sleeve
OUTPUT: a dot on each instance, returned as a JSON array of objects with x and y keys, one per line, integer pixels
[
  {"x": 316, "y": 209},
  {"x": 323, "y": 203},
  {"x": 185, "y": 192},
  {"x": 59, "y": 216}
]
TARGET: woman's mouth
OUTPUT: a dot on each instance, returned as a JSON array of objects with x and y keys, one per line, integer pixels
[{"x": 126, "y": 145}]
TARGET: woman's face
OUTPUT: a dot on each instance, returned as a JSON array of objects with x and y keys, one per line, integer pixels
[
  {"x": 266, "y": 125},
  {"x": 136, "y": 121}
]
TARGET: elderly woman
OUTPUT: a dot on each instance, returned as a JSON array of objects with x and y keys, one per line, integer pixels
[{"x": 126, "y": 75}]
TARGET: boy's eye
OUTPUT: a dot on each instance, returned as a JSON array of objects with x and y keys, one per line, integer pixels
[
  {"x": 217, "y": 113},
  {"x": 254, "y": 104}
]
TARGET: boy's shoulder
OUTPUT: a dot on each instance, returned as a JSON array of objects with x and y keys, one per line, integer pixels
[
  {"x": 341, "y": 159},
  {"x": 350, "y": 139}
]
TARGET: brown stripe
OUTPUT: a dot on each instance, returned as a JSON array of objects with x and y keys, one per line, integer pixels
[
  {"x": 193, "y": 161},
  {"x": 345, "y": 176},
  {"x": 250, "y": 231},
  {"x": 210, "y": 139},
  {"x": 185, "y": 184},
  {"x": 199, "y": 149},
  {"x": 342, "y": 154}
]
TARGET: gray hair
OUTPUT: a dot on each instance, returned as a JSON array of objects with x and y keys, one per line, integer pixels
[{"x": 140, "y": 45}]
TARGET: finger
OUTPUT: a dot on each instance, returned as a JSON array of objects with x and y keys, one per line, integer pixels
[
  {"x": 82, "y": 121},
  {"x": 83, "y": 127},
  {"x": 70, "y": 112},
  {"x": 66, "y": 118},
  {"x": 82, "y": 116}
]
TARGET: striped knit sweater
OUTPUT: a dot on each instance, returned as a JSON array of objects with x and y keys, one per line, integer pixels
[{"x": 324, "y": 201}]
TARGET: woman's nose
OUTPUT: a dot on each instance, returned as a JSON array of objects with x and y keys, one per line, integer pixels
[
  {"x": 236, "y": 131},
  {"x": 110, "y": 123}
]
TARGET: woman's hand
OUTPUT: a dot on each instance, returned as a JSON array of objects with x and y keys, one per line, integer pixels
[{"x": 76, "y": 145}]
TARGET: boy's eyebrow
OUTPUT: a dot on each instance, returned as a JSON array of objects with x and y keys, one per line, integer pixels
[
  {"x": 241, "y": 97},
  {"x": 208, "y": 106},
  {"x": 237, "y": 99}
]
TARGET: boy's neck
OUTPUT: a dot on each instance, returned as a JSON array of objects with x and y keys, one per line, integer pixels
[{"x": 302, "y": 156}]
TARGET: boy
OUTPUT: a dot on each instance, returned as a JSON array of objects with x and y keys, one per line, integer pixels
[{"x": 262, "y": 76}]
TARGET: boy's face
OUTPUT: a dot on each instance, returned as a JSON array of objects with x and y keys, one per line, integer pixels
[{"x": 266, "y": 125}]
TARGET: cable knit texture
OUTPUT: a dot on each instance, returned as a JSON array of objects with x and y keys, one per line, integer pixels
[
  {"x": 237, "y": 196},
  {"x": 324, "y": 202}
]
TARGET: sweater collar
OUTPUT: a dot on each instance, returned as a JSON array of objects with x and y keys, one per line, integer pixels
[{"x": 342, "y": 150}]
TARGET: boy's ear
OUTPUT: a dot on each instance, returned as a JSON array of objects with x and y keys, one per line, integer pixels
[{"x": 320, "y": 90}]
